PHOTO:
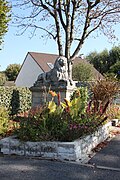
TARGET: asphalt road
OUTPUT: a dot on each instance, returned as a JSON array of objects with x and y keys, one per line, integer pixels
[
  {"x": 109, "y": 156},
  {"x": 20, "y": 168}
]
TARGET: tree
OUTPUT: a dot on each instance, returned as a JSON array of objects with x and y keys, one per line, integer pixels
[
  {"x": 114, "y": 55},
  {"x": 4, "y": 18},
  {"x": 69, "y": 22},
  {"x": 115, "y": 69},
  {"x": 83, "y": 72},
  {"x": 106, "y": 62},
  {"x": 12, "y": 71},
  {"x": 99, "y": 60}
]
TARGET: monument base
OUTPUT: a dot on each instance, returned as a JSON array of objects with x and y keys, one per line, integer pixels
[{"x": 40, "y": 95}]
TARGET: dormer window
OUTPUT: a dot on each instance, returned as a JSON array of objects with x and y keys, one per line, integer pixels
[{"x": 50, "y": 65}]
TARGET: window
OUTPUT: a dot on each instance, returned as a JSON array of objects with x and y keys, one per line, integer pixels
[{"x": 50, "y": 65}]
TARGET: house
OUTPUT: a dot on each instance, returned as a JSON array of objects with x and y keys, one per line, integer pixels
[{"x": 37, "y": 63}]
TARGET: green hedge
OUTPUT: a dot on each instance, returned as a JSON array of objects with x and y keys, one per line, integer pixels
[
  {"x": 4, "y": 120},
  {"x": 16, "y": 100}
]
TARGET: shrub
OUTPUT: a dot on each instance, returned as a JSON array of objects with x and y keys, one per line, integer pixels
[
  {"x": 83, "y": 72},
  {"x": 104, "y": 90},
  {"x": 3, "y": 120},
  {"x": 33, "y": 125},
  {"x": 15, "y": 100}
]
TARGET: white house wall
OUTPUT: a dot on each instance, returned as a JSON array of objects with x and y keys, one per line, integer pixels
[{"x": 28, "y": 73}]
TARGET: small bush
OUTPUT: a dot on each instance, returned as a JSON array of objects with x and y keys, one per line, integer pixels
[
  {"x": 4, "y": 120},
  {"x": 83, "y": 72},
  {"x": 32, "y": 125},
  {"x": 15, "y": 100},
  {"x": 104, "y": 90}
]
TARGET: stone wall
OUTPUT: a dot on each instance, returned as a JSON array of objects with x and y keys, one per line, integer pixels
[{"x": 72, "y": 151}]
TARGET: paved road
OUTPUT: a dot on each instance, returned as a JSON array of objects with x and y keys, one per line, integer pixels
[
  {"x": 18, "y": 168},
  {"x": 109, "y": 156},
  {"x": 21, "y": 168}
]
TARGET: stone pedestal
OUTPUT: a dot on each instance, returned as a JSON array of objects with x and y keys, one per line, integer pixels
[
  {"x": 58, "y": 79},
  {"x": 40, "y": 95}
]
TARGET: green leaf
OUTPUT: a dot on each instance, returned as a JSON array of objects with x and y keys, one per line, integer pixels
[{"x": 52, "y": 106}]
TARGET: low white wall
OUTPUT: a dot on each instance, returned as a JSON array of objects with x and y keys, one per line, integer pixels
[{"x": 73, "y": 151}]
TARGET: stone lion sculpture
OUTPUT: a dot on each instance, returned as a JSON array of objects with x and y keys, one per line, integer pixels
[{"x": 57, "y": 74}]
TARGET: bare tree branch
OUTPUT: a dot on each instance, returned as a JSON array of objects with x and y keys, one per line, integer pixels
[
  {"x": 87, "y": 23},
  {"x": 73, "y": 20}
]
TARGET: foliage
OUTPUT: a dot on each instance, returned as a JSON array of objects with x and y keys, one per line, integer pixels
[
  {"x": 67, "y": 120},
  {"x": 116, "y": 69},
  {"x": 2, "y": 78},
  {"x": 111, "y": 75},
  {"x": 3, "y": 120},
  {"x": 99, "y": 60},
  {"x": 114, "y": 55},
  {"x": 52, "y": 121},
  {"x": 4, "y": 18},
  {"x": 77, "y": 105},
  {"x": 12, "y": 71},
  {"x": 106, "y": 62},
  {"x": 68, "y": 21},
  {"x": 15, "y": 100},
  {"x": 104, "y": 90},
  {"x": 32, "y": 125},
  {"x": 83, "y": 72},
  {"x": 114, "y": 111}
]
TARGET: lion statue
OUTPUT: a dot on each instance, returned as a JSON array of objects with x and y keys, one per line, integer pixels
[{"x": 57, "y": 74}]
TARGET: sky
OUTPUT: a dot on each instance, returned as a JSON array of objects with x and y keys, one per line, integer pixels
[{"x": 15, "y": 48}]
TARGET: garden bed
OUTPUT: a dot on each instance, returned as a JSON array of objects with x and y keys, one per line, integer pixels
[{"x": 72, "y": 151}]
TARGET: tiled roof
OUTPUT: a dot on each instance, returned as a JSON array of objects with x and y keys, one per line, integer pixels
[{"x": 42, "y": 59}]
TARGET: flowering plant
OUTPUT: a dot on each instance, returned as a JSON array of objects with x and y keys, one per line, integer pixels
[{"x": 69, "y": 119}]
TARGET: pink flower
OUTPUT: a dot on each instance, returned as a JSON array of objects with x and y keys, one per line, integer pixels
[{"x": 74, "y": 127}]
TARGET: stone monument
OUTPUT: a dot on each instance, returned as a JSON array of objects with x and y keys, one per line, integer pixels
[{"x": 58, "y": 79}]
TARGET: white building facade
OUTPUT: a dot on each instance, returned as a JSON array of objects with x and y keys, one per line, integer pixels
[{"x": 28, "y": 73}]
